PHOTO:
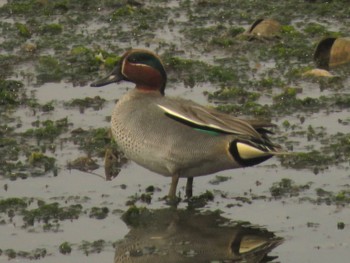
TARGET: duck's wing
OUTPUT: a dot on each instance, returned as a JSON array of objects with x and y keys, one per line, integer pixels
[
  {"x": 261, "y": 126},
  {"x": 204, "y": 118}
]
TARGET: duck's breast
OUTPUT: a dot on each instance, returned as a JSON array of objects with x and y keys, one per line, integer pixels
[{"x": 163, "y": 145}]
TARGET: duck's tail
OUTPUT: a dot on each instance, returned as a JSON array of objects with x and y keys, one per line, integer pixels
[{"x": 250, "y": 152}]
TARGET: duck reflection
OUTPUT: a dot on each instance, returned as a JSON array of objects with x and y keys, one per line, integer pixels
[{"x": 181, "y": 236}]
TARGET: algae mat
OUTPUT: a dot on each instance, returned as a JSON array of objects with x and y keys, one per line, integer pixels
[{"x": 55, "y": 204}]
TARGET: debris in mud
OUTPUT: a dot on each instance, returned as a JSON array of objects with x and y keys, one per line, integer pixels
[
  {"x": 114, "y": 161},
  {"x": 84, "y": 163}
]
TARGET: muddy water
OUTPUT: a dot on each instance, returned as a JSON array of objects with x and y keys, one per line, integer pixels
[{"x": 313, "y": 220}]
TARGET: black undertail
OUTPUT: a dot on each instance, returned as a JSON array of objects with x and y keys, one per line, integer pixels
[{"x": 251, "y": 161}]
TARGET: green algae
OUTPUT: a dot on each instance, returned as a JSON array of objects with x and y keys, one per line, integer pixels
[
  {"x": 98, "y": 212},
  {"x": 150, "y": 189},
  {"x": 38, "y": 159},
  {"x": 35, "y": 254},
  {"x": 271, "y": 82},
  {"x": 53, "y": 212},
  {"x": 46, "y": 8},
  {"x": 283, "y": 103},
  {"x": 77, "y": 199},
  {"x": 26, "y": 7},
  {"x": 47, "y": 107},
  {"x": 51, "y": 29},
  {"x": 20, "y": 159},
  {"x": 310, "y": 160},
  {"x": 211, "y": 30},
  {"x": 46, "y": 215},
  {"x": 50, "y": 69},
  {"x": 14, "y": 204},
  {"x": 123, "y": 11},
  {"x": 334, "y": 150},
  {"x": 233, "y": 94},
  {"x": 10, "y": 253},
  {"x": 338, "y": 198},
  {"x": 134, "y": 216},
  {"x": 48, "y": 130},
  {"x": 23, "y": 30},
  {"x": 287, "y": 188},
  {"x": 288, "y": 99},
  {"x": 312, "y": 225},
  {"x": 96, "y": 246},
  {"x": 7, "y": 63},
  {"x": 94, "y": 142},
  {"x": 82, "y": 62},
  {"x": 340, "y": 225},
  {"x": 111, "y": 61},
  {"x": 217, "y": 35},
  {"x": 249, "y": 108},
  {"x": 21, "y": 7},
  {"x": 204, "y": 33},
  {"x": 201, "y": 200},
  {"x": 11, "y": 92},
  {"x": 96, "y": 103},
  {"x": 146, "y": 198},
  {"x": 219, "y": 179},
  {"x": 65, "y": 248},
  {"x": 191, "y": 71},
  {"x": 84, "y": 163},
  {"x": 316, "y": 30},
  {"x": 143, "y": 198},
  {"x": 338, "y": 148}
]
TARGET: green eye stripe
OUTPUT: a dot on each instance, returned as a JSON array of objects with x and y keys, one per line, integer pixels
[{"x": 147, "y": 59}]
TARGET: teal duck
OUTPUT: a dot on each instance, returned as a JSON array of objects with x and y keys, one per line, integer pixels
[{"x": 176, "y": 137}]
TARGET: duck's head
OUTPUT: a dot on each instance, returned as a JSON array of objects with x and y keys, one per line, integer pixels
[{"x": 142, "y": 67}]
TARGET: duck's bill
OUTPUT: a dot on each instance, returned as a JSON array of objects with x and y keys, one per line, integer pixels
[{"x": 114, "y": 76}]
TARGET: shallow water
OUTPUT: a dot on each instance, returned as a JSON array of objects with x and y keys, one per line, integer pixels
[{"x": 310, "y": 226}]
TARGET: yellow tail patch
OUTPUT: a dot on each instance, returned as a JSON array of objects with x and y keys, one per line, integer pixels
[{"x": 247, "y": 152}]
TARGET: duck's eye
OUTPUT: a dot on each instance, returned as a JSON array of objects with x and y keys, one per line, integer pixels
[{"x": 132, "y": 59}]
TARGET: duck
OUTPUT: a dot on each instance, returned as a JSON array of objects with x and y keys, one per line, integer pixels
[{"x": 176, "y": 137}]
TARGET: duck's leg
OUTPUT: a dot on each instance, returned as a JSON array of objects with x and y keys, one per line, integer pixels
[
  {"x": 189, "y": 187},
  {"x": 172, "y": 190}
]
